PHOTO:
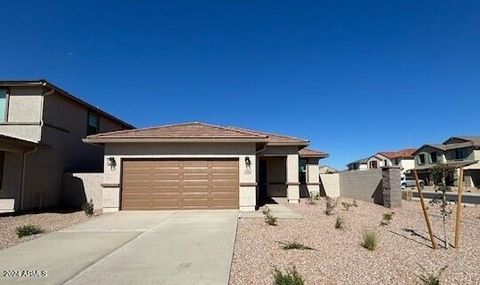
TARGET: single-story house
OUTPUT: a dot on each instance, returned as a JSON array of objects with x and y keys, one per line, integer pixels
[{"x": 203, "y": 166}]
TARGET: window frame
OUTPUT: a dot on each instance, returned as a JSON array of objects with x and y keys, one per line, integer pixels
[
  {"x": 7, "y": 102},
  {"x": 434, "y": 155},
  {"x": 420, "y": 156},
  {"x": 2, "y": 167},
  {"x": 88, "y": 123}
]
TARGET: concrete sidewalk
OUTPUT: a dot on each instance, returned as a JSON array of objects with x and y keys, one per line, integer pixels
[
  {"x": 174, "y": 247},
  {"x": 279, "y": 209}
]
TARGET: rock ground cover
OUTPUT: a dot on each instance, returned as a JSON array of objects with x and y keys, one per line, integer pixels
[
  {"x": 339, "y": 257},
  {"x": 49, "y": 222}
]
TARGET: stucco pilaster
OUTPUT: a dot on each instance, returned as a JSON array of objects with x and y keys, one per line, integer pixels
[{"x": 293, "y": 185}]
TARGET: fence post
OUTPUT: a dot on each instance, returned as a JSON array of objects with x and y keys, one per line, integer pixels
[{"x": 392, "y": 192}]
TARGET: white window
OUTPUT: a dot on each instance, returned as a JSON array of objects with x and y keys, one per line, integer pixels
[{"x": 3, "y": 105}]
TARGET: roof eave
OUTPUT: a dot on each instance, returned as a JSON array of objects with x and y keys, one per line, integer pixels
[
  {"x": 167, "y": 140},
  {"x": 301, "y": 144},
  {"x": 314, "y": 155},
  {"x": 43, "y": 82}
]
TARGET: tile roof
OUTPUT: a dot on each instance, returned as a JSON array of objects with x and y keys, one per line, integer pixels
[
  {"x": 466, "y": 141},
  {"x": 183, "y": 131},
  {"x": 404, "y": 153},
  {"x": 196, "y": 131},
  {"x": 306, "y": 152},
  {"x": 277, "y": 139},
  {"x": 474, "y": 140}
]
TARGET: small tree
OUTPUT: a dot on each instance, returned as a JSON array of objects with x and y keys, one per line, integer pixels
[{"x": 441, "y": 174}]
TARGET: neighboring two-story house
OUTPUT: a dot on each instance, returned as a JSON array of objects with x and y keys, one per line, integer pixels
[
  {"x": 41, "y": 131},
  {"x": 463, "y": 149}
]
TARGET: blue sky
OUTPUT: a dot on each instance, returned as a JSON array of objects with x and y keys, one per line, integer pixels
[{"x": 354, "y": 77}]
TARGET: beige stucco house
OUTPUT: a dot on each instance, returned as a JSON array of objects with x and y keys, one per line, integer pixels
[
  {"x": 401, "y": 158},
  {"x": 202, "y": 166},
  {"x": 41, "y": 131},
  {"x": 462, "y": 149}
]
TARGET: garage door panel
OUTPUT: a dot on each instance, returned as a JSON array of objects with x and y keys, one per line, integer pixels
[
  {"x": 195, "y": 190},
  {"x": 166, "y": 176},
  {"x": 224, "y": 203},
  {"x": 230, "y": 163},
  {"x": 223, "y": 176},
  {"x": 135, "y": 202},
  {"x": 196, "y": 203},
  {"x": 225, "y": 183},
  {"x": 177, "y": 184},
  {"x": 195, "y": 163},
  {"x": 165, "y": 183},
  {"x": 159, "y": 204},
  {"x": 224, "y": 189},
  {"x": 195, "y": 176},
  {"x": 220, "y": 196}
]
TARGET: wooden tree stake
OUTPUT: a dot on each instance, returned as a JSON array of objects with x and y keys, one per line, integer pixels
[
  {"x": 427, "y": 220},
  {"x": 458, "y": 218}
]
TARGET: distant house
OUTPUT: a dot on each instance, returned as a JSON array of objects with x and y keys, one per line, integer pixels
[
  {"x": 377, "y": 161},
  {"x": 360, "y": 164},
  {"x": 325, "y": 169},
  {"x": 455, "y": 150},
  {"x": 402, "y": 158}
]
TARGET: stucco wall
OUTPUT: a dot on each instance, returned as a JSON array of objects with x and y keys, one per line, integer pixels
[
  {"x": 407, "y": 164},
  {"x": 119, "y": 151},
  {"x": 9, "y": 193},
  {"x": 79, "y": 188},
  {"x": 293, "y": 185},
  {"x": 361, "y": 185},
  {"x": 23, "y": 113},
  {"x": 330, "y": 184}
]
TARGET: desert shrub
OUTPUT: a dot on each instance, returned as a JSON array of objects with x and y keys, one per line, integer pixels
[
  {"x": 295, "y": 245},
  {"x": 269, "y": 218},
  {"x": 339, "y": 223},
  {"x": 88, "y": 207},
  {"x": 312, "y": 197},
  {"x": 347, "y": 205},
  {"x": 28, "y": 230},
  {"x": 331, "y": 205},
  {"x": 431, "y": 278},
  {"x": 290, "y": 277},
  {"x": 387, "y": 218},
  {"x": 369, "y": 240}
]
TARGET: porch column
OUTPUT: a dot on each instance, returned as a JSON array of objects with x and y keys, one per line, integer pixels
[
  {"x": 293, "y": 186},
  {"x": 313, "y": 176}
]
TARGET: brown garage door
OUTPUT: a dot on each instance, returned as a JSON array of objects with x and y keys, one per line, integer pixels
[{"x": 179, "y": 184}]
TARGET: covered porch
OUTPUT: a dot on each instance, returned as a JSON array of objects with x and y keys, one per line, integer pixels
[
  {"x": 287, "y": 172},
  {"x": 13, "y": 160}
]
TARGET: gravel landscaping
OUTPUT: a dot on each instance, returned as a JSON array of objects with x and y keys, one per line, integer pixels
[
  {"x": 49, "y": 222},
  {"x": 339, "y": 257}
]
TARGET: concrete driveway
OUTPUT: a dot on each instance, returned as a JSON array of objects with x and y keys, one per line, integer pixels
[{"x": 174, "y": 247}]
